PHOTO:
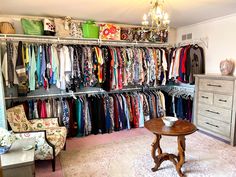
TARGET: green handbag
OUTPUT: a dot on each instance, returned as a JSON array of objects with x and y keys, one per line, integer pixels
[{"x": 32, "y": 27}]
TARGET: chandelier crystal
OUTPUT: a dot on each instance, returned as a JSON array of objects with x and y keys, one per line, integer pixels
[{"x": 156, "y": 19}]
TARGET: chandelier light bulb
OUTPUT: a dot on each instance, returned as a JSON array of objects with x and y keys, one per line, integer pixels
[
  {"x": 145, "y": 17},
  {"x": 167, "y": 21},
  {"x": 166, "y": 16},
  {"x": 158, "y": 11}
]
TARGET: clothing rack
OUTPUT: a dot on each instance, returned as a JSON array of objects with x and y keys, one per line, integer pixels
[
  {"x": 86, "y": 91},
  {"x": 203, "y": 41},
  {"x": 71, "y": 40},
  {"x": 184, "y": 90}
]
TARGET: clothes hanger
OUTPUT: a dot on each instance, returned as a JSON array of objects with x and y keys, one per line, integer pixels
[{"x": 73, "y": 96}]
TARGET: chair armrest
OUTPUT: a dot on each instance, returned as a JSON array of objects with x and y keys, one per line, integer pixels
[{"x": 42, "y": 124}]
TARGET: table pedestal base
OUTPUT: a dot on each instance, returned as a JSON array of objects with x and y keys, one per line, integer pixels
[{"x": 178, "y": 161}]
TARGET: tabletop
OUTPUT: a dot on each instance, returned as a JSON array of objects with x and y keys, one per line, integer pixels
[
  {"x": 181, "y": 127},
  {"x": 16, "y": 156}
]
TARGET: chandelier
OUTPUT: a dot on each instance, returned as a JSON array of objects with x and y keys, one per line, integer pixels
[{"x": 156, "y": 19}]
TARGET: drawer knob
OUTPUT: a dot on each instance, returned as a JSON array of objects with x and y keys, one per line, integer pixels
[
  {"x": 214, "y": 85},
  {"x": 206, "y": 97},
  {"x": 212, "y": 111},
  {"x": 223, "y": 100},
  {"x": 212, "y": 124}
]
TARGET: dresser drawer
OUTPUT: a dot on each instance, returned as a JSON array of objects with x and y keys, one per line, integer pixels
[
  {"x": 214, "y": 112},
  {"x": 214, "y": 125},
  {"x": 224, "y": 101},
  {"x": 205, "y": 97},
  {"x": 222, "y": 86}
]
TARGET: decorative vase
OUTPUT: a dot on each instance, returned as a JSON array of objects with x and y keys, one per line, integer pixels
[
  {"x": 4, "y": 149},
  {"x": 6, "y": 140},
  {"x": 226, "y": 67}
]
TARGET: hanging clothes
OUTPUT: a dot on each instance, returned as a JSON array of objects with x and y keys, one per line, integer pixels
[
  {"x": 32, "y": 69},
  {"x": 76, "y": 66},
  {"x": 99, "y": 114},
  {"x": 195, "y": 63},
  {"x": 184, "y": 62},
  {"x": 5, "y": 70},
  {"x": 179, "y": 107}
]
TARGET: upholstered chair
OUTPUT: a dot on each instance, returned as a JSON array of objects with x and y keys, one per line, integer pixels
[{"x": 50, "y": 137}]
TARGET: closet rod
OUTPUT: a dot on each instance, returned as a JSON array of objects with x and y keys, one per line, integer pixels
[
  {"x": 190, "y": 89},
  {"x": 72, "y": 94},
  {"x": 70, "y": 40},
  {"x": 175, "y": 90},
  {"x": 57, "y": 95},
  {"x": 203, "y": 41}
]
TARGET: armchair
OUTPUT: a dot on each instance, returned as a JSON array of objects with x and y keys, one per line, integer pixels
[{"x": 50, "y": 137}]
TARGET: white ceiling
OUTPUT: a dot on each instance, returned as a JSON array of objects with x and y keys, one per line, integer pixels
[{"x": 182, "y": 12}]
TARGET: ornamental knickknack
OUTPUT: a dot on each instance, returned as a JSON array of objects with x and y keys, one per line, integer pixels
[{"x": 226, "y": 67}]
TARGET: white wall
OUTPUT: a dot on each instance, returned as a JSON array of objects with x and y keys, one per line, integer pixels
[
  {"x": 172, "y": 36},
  {"x": 221, "y": 34}
]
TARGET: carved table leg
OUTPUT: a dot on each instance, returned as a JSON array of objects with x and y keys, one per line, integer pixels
[
  {"x": 181, "y": 154},
  {"x": 156, "y": 146}
]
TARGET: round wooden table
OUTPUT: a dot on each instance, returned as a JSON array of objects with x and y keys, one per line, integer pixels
[{"x": 181, "y": 128}]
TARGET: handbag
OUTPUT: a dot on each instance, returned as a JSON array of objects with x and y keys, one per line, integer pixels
[
  {"x": 126, "y": 34},
  {"x": 90, "y": 29},
  {"x": 49, "y": 27},
  {"x": 109, "y": 31},
  {"x": 76, "y": 30},
  {"x": 32, "y": 27},
  {"x": 62, "y": 27},
  {"x": 7, "y": 28}
]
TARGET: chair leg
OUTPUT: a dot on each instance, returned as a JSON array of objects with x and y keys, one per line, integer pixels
[
  {"x": 64, "y": 148},
  {"x": 53, "y": 164}
]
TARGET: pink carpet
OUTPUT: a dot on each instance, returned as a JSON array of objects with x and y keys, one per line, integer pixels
[
  {"x": 127, "y": 153},
  {"x": 44, "y": 168}
]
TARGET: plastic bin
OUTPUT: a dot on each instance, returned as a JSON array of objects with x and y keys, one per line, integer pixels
[{"x": 90, "y": 30}]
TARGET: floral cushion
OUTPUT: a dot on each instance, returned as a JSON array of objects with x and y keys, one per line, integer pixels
[
  {"x": 42, "y": 124},
  {"x": 17, "y": 119}
]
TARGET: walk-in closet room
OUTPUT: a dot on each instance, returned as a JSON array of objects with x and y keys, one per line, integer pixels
[{"x": 135, "y": 88}]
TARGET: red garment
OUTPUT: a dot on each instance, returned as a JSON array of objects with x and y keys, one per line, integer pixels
[
  {"x": 135, "y": 111},
  {"x": 43, "y": 113},
  {"x": 136, "y": 124},
  {"x": 183, "y": 64}
]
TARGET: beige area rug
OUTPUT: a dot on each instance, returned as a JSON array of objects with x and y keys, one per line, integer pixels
[{"x": 131, "y": 157}]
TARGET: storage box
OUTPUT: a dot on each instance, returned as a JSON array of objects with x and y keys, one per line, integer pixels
[
  {"x": 109, "y": 31},
  {"x": 90, "y": 30}
]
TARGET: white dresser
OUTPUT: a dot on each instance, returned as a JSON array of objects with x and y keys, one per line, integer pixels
[
  {"x": 18, "y": 162},
  {"x": 215, "y": 105}
]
